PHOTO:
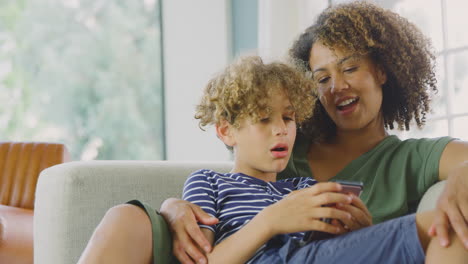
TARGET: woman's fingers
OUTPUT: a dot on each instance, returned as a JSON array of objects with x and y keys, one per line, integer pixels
[
  {"x": 361, "y": 216},
  {"x": 459, "y": 219},
  {"x": 194, "y": 230},
  {"x": 452, "y": 209},
  {"x": 189, "y": 242},
  {"x": 341, "y": 226},
  {"x": 441, "y": 226},
  {"x": 179, "y": 250},
  {"x": 452, "y": 216}
]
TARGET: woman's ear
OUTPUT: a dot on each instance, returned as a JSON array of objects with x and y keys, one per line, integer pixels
[
  {"x": 381, "y": 75},
  {"x": 224, "y": 132}
]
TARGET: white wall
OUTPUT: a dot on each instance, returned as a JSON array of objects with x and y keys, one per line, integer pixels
[
  {"x": 195, "y": 48},
  {"x": 281, "y": 22},
  {"x": 197, "y": 45}
]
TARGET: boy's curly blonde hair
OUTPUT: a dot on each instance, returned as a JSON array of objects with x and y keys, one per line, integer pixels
[{"x": 243, "y": 89}]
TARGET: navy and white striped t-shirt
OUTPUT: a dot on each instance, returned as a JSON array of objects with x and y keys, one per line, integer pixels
[{"x": 235, "y": 198}]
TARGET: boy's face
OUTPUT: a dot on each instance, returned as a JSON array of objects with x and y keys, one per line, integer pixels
[{"x": 262, "y": 149}]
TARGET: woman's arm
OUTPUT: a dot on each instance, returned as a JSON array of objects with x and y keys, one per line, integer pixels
[
  {"x": 187, "y": 238},
  {"x": 453, "y": 157},
  {"x": 452, "y": 206},
  {"x": 302, "y": 209}
]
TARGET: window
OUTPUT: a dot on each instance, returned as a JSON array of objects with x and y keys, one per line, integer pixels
[
  {"x": 86, "y": 73},
  {"x": 443, "y": 21}
]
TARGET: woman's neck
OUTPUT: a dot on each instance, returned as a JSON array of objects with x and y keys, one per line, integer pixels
[{"x": 361, "y": 140}]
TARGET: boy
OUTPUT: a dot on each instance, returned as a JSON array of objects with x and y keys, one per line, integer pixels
[{"x": 255, "y": 108}]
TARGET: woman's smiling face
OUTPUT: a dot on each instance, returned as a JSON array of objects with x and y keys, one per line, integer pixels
[{"x": 349, "y": 87}]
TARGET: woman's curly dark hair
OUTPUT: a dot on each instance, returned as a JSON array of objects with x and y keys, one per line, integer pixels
[{"x": 393, "y": 42}]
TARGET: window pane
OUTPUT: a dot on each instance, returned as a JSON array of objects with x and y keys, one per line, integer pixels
[
  {"x": 458, "y": 74},
  {"x": 425, "y": 14},
  {"x": 428, "y": 19},
  {"x": 460, "y": 128},
  {"x": 432, "y": 129},
  {"x": 439, "y": 100},
  {"x": 456, "y": 23},
  {"x": 85, "y": 73}
]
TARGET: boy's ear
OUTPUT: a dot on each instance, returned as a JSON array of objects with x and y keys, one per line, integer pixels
[{"x": 224, "y": 132}]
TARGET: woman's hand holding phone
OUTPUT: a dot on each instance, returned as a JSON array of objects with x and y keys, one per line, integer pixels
[
  {"x": 361, "y": 216},
  {"x": 304, "y": 210}
]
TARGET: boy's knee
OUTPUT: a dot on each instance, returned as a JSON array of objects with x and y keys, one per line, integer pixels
[
  {"x": 124, "y": 220},
  {"x": 126, "y": 212}
]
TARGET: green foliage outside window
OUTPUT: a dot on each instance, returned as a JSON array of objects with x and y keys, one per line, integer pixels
[{"x": 86, "y": 73}]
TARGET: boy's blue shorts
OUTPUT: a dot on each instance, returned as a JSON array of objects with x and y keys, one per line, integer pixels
[{"x": 393, "y": 241}]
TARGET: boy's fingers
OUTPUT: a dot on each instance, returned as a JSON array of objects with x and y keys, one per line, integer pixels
[
  {"x": 330, "y": 198},
  {"x": 319, "y": 225},
  {"x": 324, "y": 187},
  {"x": 330, "y": 212}
]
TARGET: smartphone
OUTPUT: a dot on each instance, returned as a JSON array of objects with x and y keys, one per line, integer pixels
[
  {"x": 353, "y": 187},
  {"x": 348, "y": 187}
]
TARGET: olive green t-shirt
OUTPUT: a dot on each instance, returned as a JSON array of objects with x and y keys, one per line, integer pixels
[{"x": 395, "y": 173}]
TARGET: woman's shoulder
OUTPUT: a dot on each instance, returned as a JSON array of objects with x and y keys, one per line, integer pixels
[
  {"x": 418, "y": 143},
  {"x": 411, "y": 148}
]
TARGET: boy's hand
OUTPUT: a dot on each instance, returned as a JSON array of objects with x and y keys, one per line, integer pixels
[
  {"x": 188, "y": 239},
  {"x": 304, "y": 208}
]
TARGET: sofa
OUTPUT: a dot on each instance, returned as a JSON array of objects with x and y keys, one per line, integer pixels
[
  {"x": 72, "y": 198},
  {"x": 20, "y": 166}
]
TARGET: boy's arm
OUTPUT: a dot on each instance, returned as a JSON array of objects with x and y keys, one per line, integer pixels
[
  {"x": 199, "y": 191},
  {"x": 242, "y": 245},
  {"x": 303, "y": 209}
]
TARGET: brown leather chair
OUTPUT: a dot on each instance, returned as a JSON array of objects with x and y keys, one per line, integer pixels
[{"x": 20, "y": 165}]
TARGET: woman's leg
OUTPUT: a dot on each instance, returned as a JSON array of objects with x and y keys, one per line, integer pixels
[
  {"x": 435, "y": 253},
  {"x": 401, "y": 240},
  {"x": 123, "y": 236}
]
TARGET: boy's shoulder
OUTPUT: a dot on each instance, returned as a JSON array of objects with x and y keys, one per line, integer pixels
[
  {"x": 208, "y": 175},
  {"x": 300, "y": 182},
  {"x": 215, "y": 177}
]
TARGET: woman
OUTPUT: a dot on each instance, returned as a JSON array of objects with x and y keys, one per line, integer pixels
[{"x": 372, "y": 69}]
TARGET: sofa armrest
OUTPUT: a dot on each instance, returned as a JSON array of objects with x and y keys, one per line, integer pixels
[
  {"x": 16, "y": 235},
  {"x": 429, "y": 200},
  {"x": 72, "y": 198}
]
